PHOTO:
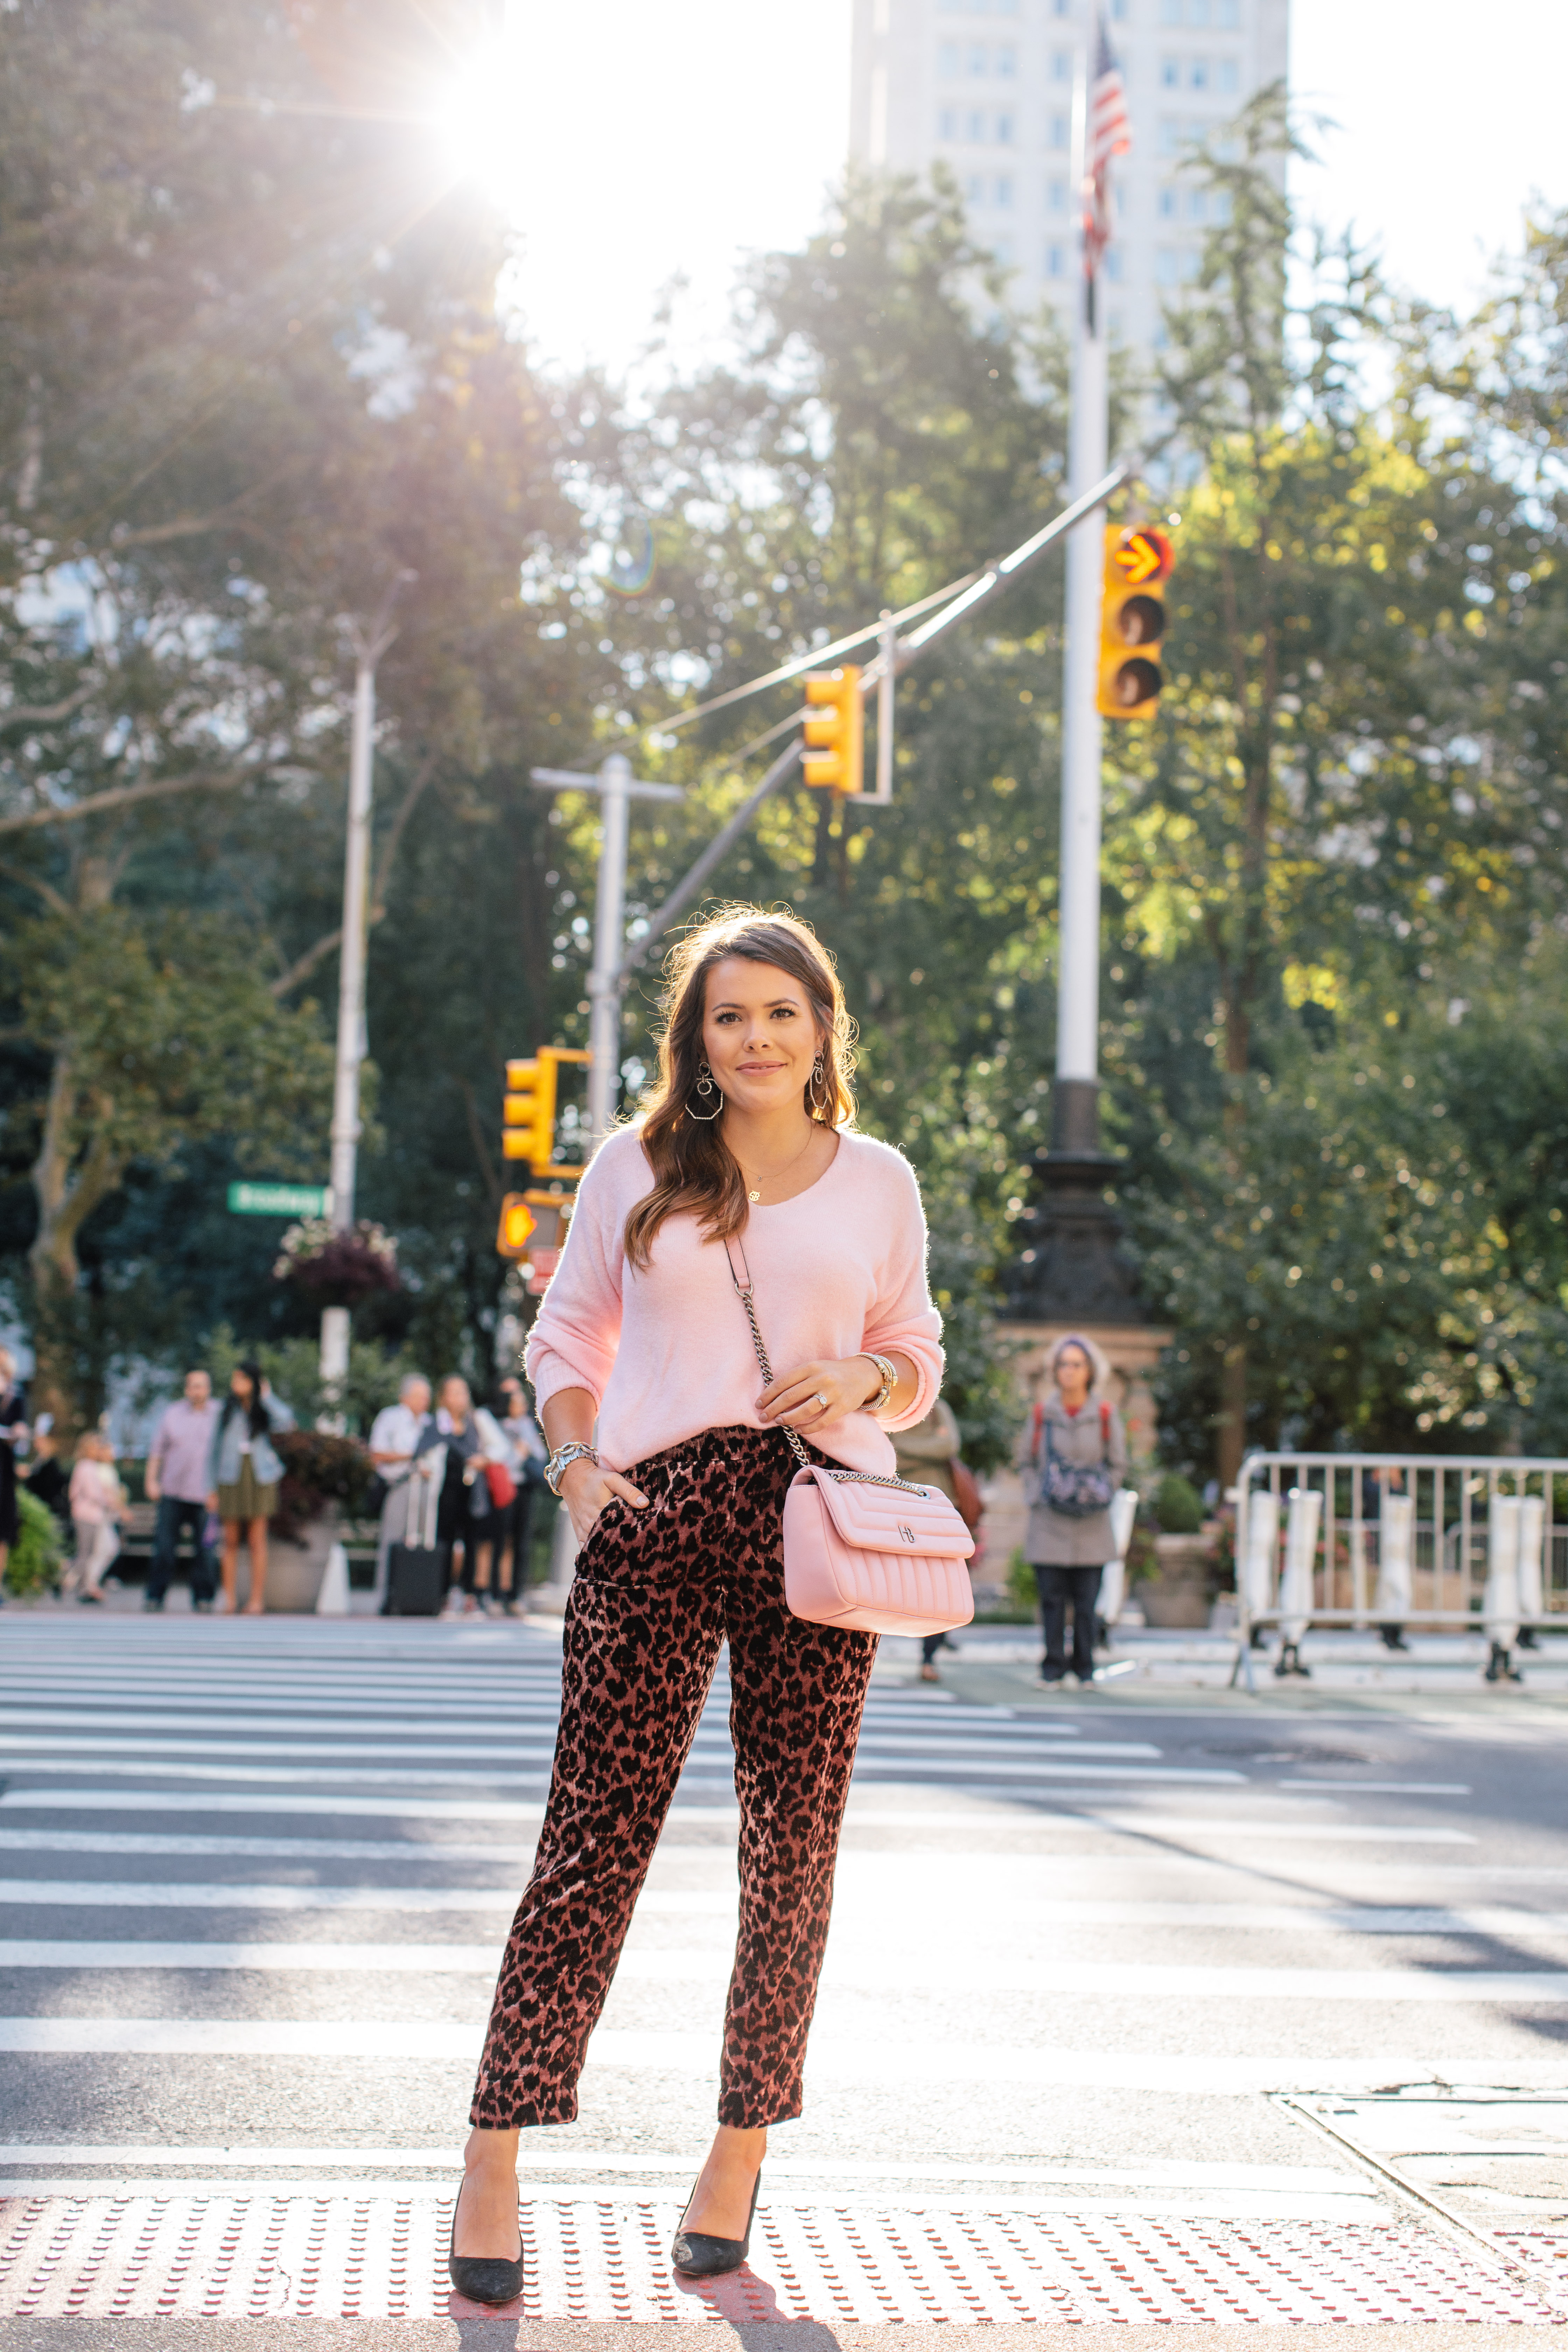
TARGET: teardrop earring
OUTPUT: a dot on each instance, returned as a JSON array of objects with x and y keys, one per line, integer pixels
[
  {"x": 814, "y": 1092},
  {"x": 706, "y": 1088}
]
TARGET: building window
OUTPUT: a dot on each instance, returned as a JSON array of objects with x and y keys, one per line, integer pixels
[
  {"x": 1001, "y": 194},
  {"x": 1197, "y": 73},
  {"x": 947, "y": 122},
  {"x": 1199, "y": 12},
  {"x": 947, "y": 60},
  {"x": 1118, "y": 11},
  {"x": 1061, "y": 7},
  {"x": 1113, "y": 263},
  {"x": 1003, "y": 131},
  {"x": 977, "y": 58},
  {"x": 1055, "y": 261},
  {"x": 1008, "y": 61},
  {"x": 974, "y": 130},
  {"x": 1197, "y": 203},
  {"x": 1170, "y": 73},
  {"x": 1227, "y": 76},
  {"x": 973, "y": 188},
  {"x": 1177, "y": 133},
  {"x": 1170, "y": 12},
  {"x": 1228, "y": 15},
  {"x": 1165, "y": 204},
  {"x": 1003, "y": 248},
  {"x": 1056, "y": 195},
  {"x": 1060, "y": 131},
  {"x": 1177, "y": 265},
  {"x": 1062, "y": 65}
]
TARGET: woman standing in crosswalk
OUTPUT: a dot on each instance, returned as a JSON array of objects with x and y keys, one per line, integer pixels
[{"x": 746, "y": 1161}]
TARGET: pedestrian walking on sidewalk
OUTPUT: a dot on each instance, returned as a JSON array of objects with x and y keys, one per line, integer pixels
[
  {"x": 746, "y": 1164},
  {"x": 48, "y": 1479},
  {"x": 525, "y": 1458},
  {"x": 177, "y": 1483},
  {"x": 97, "y": 1503},
  {"x": 13, "y": 1440},
  {"x": 1076, "y": 1458},
  {"x": 467, "y": 1518},
  {"x": 245, "y": 1471},
  {"x": 398, "y": 1432}
]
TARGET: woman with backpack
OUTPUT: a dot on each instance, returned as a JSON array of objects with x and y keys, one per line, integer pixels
[{"x": 1077, "y": 1459}]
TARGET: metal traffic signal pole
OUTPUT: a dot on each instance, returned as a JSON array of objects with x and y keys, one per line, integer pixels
[
  {"x": 1075, "y": 1102},
  {"x": 615, "y": 785}
]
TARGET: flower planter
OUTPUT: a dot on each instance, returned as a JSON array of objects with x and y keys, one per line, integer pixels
[
  {"x": 295, "y": 1568},
  {"x": 1177, "y": 1599}
]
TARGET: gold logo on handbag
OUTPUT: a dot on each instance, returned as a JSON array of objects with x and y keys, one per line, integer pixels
[{"x": 907, "y": 1533}]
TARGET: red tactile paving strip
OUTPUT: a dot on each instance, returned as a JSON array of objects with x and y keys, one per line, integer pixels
[{"x": 381, "y": 2253}]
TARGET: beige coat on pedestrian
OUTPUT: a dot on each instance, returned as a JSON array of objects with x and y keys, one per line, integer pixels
[{"x": 1052, "y": 1539}]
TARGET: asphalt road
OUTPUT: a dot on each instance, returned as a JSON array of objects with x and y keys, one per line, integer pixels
[{"x": 1087, "y": 1947}]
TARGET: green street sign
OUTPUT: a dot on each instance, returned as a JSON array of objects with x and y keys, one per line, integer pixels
[{"x": 278, "y": 1200}]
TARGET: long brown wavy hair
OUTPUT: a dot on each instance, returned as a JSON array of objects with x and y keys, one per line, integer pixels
[{"x": 693, "y": 1167}]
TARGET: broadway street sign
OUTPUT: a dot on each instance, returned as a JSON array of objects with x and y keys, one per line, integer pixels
[{"x": 278, "y": 1200}]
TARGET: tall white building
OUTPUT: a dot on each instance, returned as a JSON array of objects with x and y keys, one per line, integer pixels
[{"x": 986, "y": 87}]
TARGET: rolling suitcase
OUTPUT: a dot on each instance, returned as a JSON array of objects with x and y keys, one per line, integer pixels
[{"x": 416, "y": 1567}]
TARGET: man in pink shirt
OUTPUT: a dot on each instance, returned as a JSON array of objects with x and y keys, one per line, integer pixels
[{"x": 178, "y": 1481}]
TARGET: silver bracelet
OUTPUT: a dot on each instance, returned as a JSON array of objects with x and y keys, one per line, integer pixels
[
  {"x": 889, "y": 1377},
  {"x": 561, "y": 1460}
]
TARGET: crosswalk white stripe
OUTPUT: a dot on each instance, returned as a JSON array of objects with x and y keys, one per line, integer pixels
[
  {"x": 1062, "y": 1911},
  {"x": 124, "y": 1843},
  {"x": 424, "y": 1729},
  {"x": 919, "y": 1972},
  {"x": 163, "y": 1758},
  {"x": 832, "y": 2061},
  {"x": 1151, "y": 1823}
]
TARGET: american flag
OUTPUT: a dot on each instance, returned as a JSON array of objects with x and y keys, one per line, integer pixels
[{"x": 1109, "y": 133}]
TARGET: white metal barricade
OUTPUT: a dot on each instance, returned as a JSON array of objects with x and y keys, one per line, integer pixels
[{"x": 1476, "y": 1543}]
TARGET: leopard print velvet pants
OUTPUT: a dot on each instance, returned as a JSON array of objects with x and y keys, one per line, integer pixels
[{"x": 655, "y": 1594}]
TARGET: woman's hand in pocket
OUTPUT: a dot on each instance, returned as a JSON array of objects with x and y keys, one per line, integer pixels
[{"x": 585, "y": 1489}]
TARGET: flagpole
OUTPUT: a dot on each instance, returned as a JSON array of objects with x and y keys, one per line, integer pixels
[{"x": 1075, "y": 1110}]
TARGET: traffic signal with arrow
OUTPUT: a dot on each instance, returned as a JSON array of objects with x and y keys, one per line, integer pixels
[
  {"x": 1132, "y": 622},
  {"x": 834, "y": 755}
]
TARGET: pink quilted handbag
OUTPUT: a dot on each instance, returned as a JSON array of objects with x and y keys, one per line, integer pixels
[{"x": 877, "y": 1554}]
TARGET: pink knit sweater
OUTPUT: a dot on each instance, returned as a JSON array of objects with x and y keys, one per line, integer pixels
[{"x": 668, "y": 1353}]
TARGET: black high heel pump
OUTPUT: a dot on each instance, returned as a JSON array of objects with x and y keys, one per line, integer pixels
[
  {"x": 696, "y": 2256},
  {"x": 484, "y": 2278}
]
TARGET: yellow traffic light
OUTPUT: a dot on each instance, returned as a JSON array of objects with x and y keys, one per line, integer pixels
[
  {"x": 836, "y": 742},
  {"x": 517, "y": 1226},
  {"x": 528, "y": 1109},
  {"x": 1132, "y": 622}
]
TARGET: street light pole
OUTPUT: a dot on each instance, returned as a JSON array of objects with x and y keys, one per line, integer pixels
[
  {"x": 369, "y": 644},
  {"x": 609, "y": 929},
  {"x": 615, "y": 786}
]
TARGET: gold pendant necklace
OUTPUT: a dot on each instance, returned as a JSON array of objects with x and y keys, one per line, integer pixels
[{"x": 754, "y": 1191}]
